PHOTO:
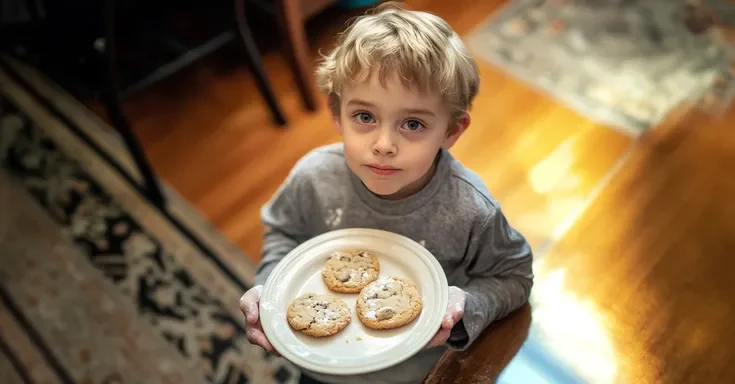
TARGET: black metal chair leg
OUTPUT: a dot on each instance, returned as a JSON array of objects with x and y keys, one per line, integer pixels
[
  {"x": 256, "y": 64},
  {"x": 151, "y": 186},
  {"x": 33, "y": 10}
]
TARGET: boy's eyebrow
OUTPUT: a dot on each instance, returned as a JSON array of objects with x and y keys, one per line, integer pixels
[
  {"x": 360, "y": 103},
  {"x": 409, "y": 110},
  {"x": 419, "y": 112}
]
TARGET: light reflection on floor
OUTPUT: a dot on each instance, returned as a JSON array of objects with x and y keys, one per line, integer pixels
[
  {"x": 568, "y": 341},
  {"x": 555, "y": 178}
]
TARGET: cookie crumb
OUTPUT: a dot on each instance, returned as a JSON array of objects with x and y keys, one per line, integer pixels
[
  {"x": 358, "y": 338},
  {"x": 347, "y": 341}
]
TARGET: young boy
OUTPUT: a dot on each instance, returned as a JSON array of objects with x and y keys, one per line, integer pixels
[{"x": 400, "y": 84}]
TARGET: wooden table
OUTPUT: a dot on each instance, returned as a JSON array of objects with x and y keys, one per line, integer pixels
[
  {"x": 488, "y": 356},
  {"x": 292, "y": 16}
]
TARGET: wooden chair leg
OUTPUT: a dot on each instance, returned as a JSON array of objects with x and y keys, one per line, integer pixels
[
  {"x": 291, "y": 25},
  {"x": 256, "y": 64}
]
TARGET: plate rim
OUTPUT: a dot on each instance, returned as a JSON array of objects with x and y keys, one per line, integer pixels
[{"x": 267, "y": 313}]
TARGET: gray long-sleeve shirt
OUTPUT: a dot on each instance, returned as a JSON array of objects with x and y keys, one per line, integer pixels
[{"x": 453, "y": 216}]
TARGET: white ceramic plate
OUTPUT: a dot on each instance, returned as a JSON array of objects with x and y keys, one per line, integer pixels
[{"x": 357, "y": 349}]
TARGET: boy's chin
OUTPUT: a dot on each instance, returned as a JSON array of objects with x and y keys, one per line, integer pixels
[{"x": 383, "y": 191}]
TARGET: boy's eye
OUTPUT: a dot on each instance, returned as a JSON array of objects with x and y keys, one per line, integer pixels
[
  {"x": 364, "y": 118},
  {"x": 413, "y": 125}
]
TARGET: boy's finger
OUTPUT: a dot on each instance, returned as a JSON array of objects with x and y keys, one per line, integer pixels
[
  {"x": 439, "y": 339},
  {"x": 448, "y": 321},
  {"x": 455, "y": 307},
  {"x": 451, "y": 318},
  {"x": 268, "y": 346},
  {"x": 249, "y": 306},
  {"x": 261, "y": 339},
  {"x": 456, "y": 316},
  {"x": 257, "y": 337}
]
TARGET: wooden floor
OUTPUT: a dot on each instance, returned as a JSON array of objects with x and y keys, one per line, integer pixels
[{"x": 635, "y": 285}]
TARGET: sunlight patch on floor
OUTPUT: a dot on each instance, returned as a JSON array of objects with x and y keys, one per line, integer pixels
[{"x": 572, "y": 328}]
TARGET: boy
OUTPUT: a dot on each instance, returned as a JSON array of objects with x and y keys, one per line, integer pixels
[{"x": 399, "y": 85}]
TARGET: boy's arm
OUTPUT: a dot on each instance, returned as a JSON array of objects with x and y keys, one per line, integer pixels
[
  {"x": 499, "y": 265},
  {"x": 285, "y": 228}
]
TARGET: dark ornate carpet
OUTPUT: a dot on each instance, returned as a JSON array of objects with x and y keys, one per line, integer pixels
[{"x": 97, "y": 285}]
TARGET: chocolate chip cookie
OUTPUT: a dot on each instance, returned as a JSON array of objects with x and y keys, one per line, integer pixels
[
  {"x": 318, "y": 315},
  {"x": 350, "y": 270},
  {"x": 388, "y": 303}
]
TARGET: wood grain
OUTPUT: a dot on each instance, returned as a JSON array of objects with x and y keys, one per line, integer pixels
[{"x": 488, "y": 356}]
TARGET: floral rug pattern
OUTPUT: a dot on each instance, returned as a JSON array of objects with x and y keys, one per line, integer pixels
[{"x": 187, "y": 314}]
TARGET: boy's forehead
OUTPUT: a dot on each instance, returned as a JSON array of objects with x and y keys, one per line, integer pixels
[{"x": 391, "y": 91}]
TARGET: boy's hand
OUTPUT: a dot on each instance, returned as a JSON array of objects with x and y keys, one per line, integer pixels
[
  {"x": 455, "y": 311},
  {"x": 249, "y": 306}
]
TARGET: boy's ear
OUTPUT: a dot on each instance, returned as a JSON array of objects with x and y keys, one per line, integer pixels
[{"x": 456, "y": 130}]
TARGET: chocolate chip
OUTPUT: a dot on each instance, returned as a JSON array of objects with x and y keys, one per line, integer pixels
[
  {"x": 343, "y": 276},
  {"x": 385, "y": 313}
]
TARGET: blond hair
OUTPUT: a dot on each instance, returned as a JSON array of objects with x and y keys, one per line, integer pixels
[{"x": 419, "y": 47}]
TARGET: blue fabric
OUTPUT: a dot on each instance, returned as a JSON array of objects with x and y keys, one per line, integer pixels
[{"x": 357, "y": 3}]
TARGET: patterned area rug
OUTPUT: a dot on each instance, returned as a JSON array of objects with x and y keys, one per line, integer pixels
[
  {"x": 622, "y": 63},
  {"x": 96, "y": 285}
]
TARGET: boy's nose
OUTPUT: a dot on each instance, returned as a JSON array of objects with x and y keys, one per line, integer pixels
[{"x": 384, "y": 144}]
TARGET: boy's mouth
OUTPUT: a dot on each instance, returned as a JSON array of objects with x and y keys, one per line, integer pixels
[{"x": 383, "y": 170}]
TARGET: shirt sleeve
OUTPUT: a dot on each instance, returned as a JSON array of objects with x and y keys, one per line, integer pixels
[
  {"x": 499, "y": 265},
  {"x": 285, "y": 227}
]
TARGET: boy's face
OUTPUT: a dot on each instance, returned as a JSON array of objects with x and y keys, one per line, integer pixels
[{"x": 392, "y": 135}]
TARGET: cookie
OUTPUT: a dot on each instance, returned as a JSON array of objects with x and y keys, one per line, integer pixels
[
  {"x": 318, "y": 315},
  {"x": 350, "y": 270},
  {"x": 388, "y": 303}
]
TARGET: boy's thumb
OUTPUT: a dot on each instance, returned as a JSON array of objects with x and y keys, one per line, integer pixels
[{"x": 249, "y": 305}]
